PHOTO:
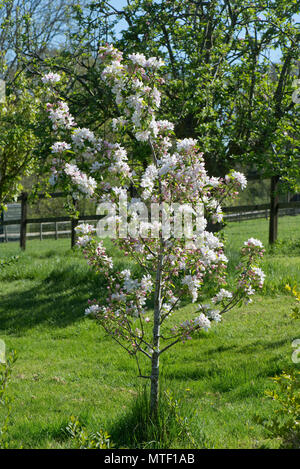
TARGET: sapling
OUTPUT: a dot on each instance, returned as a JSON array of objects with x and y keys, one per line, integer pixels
[{"x": 162, "y": 228}]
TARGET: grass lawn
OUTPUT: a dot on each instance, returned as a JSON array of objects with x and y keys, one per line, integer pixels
[{"x": 67, "y": 365}]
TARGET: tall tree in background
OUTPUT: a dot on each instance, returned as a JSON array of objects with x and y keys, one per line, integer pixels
[
  {"x": 26, "y": 27},
  {"x": 18, "y": 139},
  {"x": 223, "y": 85}
]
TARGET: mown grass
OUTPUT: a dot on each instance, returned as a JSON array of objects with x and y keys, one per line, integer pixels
[{"x": 68, "y": 366}]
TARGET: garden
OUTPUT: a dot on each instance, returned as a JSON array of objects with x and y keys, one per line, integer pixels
[{"x": 171, "y": 319}]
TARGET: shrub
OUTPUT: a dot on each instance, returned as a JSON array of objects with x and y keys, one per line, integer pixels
[
  {"x": 285, "y": 423},
  {"x": 295, "y": 314}
]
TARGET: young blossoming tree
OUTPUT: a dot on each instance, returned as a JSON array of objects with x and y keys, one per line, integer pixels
[{"x": 179, "y": 258}]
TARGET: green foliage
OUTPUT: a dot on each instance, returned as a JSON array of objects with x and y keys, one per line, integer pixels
[
  {"x": 222, "y": 84},
  {"x": 82, "y": 439},
  {"x": 5, "y": 402},
  {"x": 285, "y": 421},
  {"x": 295, "y": 313},
  {"x": 18, "y": 138}
]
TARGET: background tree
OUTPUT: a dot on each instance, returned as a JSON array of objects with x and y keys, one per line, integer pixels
[
  {"x": 18, "y": 138},
  {"x": 30, "y": 26},
  {"x": 222, "y": 83},
  {"x": 35, "y": 27}
]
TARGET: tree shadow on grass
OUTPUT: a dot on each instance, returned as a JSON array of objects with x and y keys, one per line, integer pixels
[
  {"x": 241, "y": 374},
  {"x": 58, "y": 300},
  {"x": 247, "y": 348}
]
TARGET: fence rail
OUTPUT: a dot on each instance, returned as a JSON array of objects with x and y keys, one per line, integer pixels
[
  {"x": 248, "y": 212},
  {"x": 53, "y": 219},
  {"x": 23, "y": 234}
]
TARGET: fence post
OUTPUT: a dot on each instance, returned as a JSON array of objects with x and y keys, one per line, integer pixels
[
  {"x": 74, "y": 223},
  {"x": 23, "y": 224},
  {"x": 274, "y": 200}
]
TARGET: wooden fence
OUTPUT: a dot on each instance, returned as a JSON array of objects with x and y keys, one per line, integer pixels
[
  {"x": 230, "y": 213},
  {"x": 248, "y": 212}
]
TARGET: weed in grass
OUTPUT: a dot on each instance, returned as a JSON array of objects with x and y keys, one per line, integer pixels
[
  {"x": 83, "y": 439},
  {"x": 284, "y": 422},
  {"x": 9, "y": 261}
]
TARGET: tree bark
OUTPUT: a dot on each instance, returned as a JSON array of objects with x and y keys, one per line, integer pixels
[
  {"x": 74, "y": 223},
  {"x": 154, "y": 392},
  {"x": 273, "y": 226},
  {"x": 23, "y": 224},
  {"x": 154, "y": 378}
]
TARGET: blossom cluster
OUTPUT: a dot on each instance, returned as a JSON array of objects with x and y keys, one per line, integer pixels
[
  {"x": 85, "y": 184},
  {"x": 51, "y": 78},
  {"x": 60, "y": 116}
]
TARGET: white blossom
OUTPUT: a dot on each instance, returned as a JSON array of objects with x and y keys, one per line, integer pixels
[
  {"x": 202, "y": 321},
  {"x": 52, "y": 78},
  {"x": 59, "y": 147},
  {"x": 222, "y": 295}
]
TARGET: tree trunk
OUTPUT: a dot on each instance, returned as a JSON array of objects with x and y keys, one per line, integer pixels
[
  {"x": 74, "y": 223},
  {"x": 23, "y": 224},
  {"x": 273, "y": 226},
  {"x": 154, "y": 392}
]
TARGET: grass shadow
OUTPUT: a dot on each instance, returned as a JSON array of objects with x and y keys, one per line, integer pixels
[{"x": 58, "y": 300}]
